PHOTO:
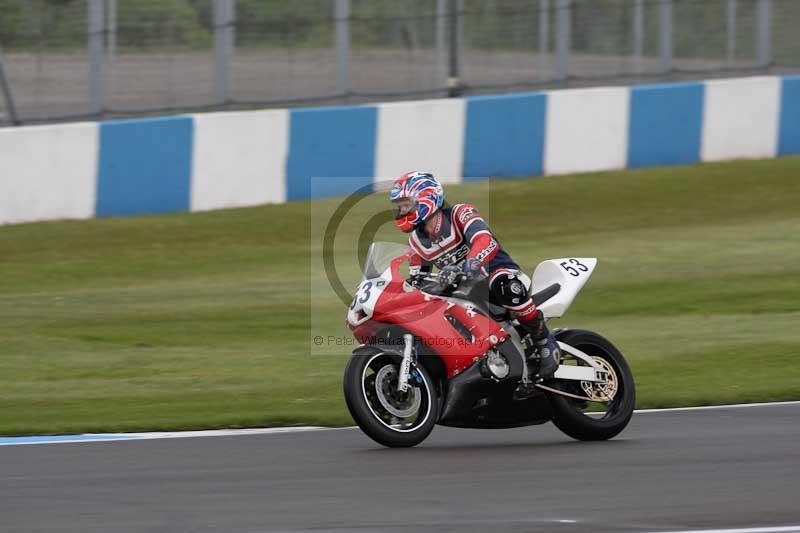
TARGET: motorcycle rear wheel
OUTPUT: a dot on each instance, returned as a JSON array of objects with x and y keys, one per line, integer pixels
[
  {"x": 569, "y": 414},
  {"x": 389, "y": 417}
]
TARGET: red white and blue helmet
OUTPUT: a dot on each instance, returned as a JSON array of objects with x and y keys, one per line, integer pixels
[{"x": 427, "y": 193}]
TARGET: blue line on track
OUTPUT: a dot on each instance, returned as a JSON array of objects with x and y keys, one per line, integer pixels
[{"x": 63, "y": 438}]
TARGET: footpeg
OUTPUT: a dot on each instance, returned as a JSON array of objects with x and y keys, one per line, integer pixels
[{"x": 525, "y": 391}]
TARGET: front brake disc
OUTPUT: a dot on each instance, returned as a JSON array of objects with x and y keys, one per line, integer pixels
[{"x": 399, "y": 404}]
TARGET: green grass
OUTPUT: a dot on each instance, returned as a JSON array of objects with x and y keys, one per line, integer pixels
[{"x": 205, "y": 320}]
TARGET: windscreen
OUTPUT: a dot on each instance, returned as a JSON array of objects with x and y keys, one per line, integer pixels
[{"x": 379, "y": 257}]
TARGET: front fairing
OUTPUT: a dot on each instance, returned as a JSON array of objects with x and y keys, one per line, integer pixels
[
  {"x": 381, "y": 271},
  {"x": 452, "y": 330}
]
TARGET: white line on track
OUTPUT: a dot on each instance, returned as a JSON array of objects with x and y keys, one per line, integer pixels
[
  {"x": 107, "y": 437},
  {"x": 782, "y": 529},
  {"x": 710, "y": 407}
]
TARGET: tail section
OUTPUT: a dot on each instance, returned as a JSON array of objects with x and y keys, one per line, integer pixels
[{"x": 570, "y": 273}]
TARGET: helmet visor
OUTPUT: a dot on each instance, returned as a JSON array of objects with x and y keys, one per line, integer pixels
[{"x": 403, "y": 207}]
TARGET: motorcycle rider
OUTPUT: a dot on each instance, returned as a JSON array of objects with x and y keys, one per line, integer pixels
[{"x": 457, "y": 240}]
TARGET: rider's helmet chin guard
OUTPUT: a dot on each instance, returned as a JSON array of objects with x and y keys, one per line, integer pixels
[{"x": 426, "y": 193}]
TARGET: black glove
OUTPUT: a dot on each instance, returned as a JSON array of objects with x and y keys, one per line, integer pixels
[
  {"x": 471, "y": 267},
  {"x": 450, "y": 276},
  {"x": 415, "y": 280}
]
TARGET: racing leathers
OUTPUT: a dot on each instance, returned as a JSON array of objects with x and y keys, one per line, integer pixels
[{"x": 457, "y": 238}]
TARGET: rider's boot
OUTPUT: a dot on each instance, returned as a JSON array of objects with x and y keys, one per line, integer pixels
[
  {"x": 544, "y": 360},
  {"x": 549, "y": 357}
]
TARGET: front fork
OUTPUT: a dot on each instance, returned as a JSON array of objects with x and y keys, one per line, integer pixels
[{"x": 405, "y": 364}]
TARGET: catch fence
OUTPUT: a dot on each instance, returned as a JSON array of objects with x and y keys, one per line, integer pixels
[{"x": 91, "y": 59}]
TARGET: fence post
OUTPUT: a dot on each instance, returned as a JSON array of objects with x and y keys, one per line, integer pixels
[
  {"x": 6, "y": 88},
  {"x": 730, "y": 27},
  {"x": 764, "y": 33},
  {"x": 563, "y": 38},
  {"x": 342, "y": 41},
  {"x": 441, "y": 36},
  {"x": 544, "y": 37},
  {"x": 111, "y": 28},
  {"x": 224, "y": 37},
  {"x": 454, "y": 86},
  {"x": 638, "y": 35},
  {"x": 96, "y": 58},
  {"x": 665, "y": 35}
]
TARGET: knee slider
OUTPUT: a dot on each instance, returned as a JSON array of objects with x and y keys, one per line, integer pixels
[{"x": 509, "y": 291}]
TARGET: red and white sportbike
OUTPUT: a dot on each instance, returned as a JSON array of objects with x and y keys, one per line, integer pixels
[{"x": 431, "y": 356}]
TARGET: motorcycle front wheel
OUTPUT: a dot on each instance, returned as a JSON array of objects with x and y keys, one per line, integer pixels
[
  {"x": 389, "y": 417},
  {"x": 581, "y": 419}
]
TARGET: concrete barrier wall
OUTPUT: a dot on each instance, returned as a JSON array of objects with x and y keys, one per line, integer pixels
[
  {"x": 587, "y": 130},
  {"x": 145, "y": 166},
  {"x": 220, "y": 160},
  {"x": 665, "y": 125},
  {"x": 48, "y": 172},
  {"x": 504, "y": 136},
  {"x": 740, "y": 118},
  {"x": 789, "y": 132},
  {"x": 239, "y": 159},
  {"x": 429, "y": 133}
]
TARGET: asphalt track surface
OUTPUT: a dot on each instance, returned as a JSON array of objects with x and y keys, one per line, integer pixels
[{"x": 669, "y": 471}]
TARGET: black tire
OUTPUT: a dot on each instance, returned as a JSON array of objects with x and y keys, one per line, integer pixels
[
  {"x": 363, "y": 393},
  {"x": 568, "y": 413}
]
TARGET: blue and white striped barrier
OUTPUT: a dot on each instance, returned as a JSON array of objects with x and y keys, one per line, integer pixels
[{"x": 219, "y": 160}]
